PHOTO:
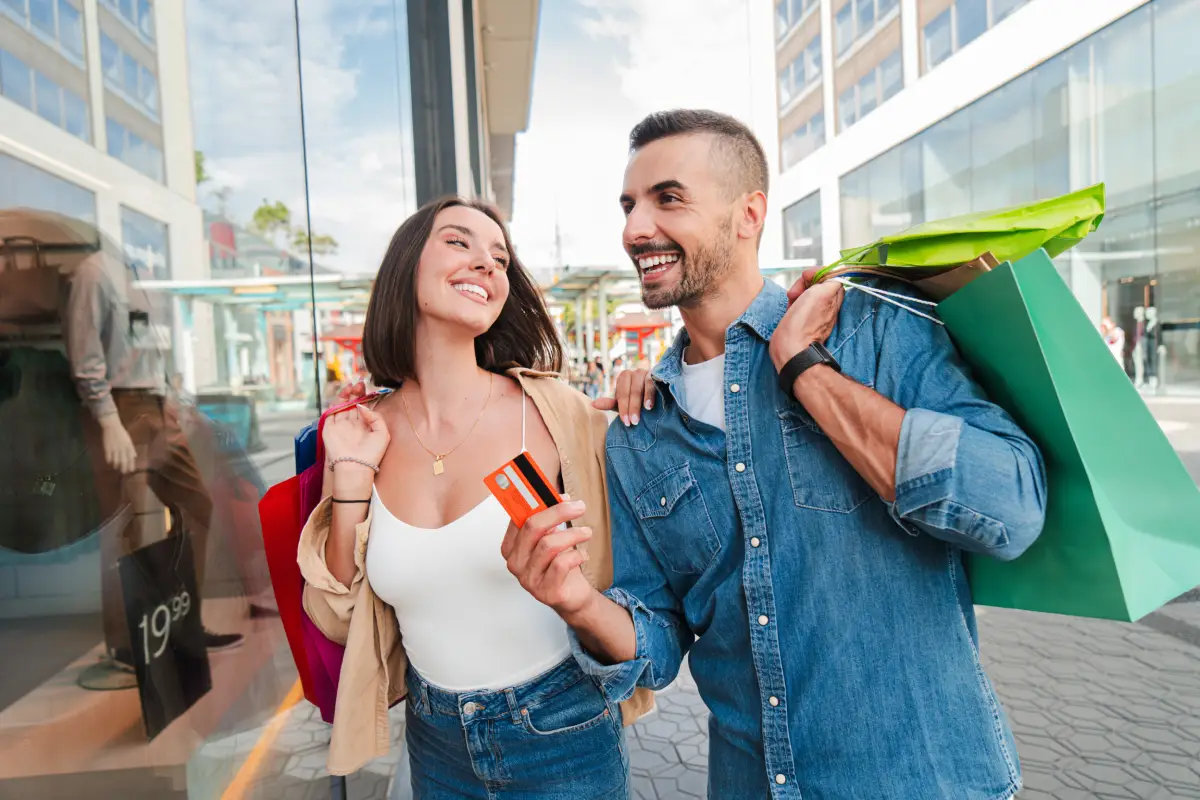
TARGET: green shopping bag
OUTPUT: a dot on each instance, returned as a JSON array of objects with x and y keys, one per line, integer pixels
[
  {"x": 1122, "y": 534},
  {"x": 1054, "y": 225}
]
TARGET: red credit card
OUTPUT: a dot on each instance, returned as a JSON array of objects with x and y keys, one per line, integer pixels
[{"x": 522, "y": 488}]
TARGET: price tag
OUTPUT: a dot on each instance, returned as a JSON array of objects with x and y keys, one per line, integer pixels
[{"x": 162, "y": 610}]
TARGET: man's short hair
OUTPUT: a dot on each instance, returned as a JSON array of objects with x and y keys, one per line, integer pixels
[{"x": 734, "y": 143}]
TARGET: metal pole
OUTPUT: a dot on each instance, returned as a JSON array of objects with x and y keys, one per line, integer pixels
[
  {"x": 580, "y": 350},
  {"x": 602, "y": 299}
]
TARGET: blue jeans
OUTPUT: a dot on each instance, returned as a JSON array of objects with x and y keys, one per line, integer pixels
[{"x": 556, "y": 737}]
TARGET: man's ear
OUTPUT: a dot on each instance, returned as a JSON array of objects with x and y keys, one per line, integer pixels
[{"x": 751, "y": 216}]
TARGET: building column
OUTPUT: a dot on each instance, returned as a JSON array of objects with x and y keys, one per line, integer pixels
[
  {"x": 910, "y": 41},
  {"x": 95, "y": 73},
  {"x": 232, "y": 363},
  {"x": 185, "y": 354},
  {"x": 580, "y": 349},
  {"x": 602, "y": 301},
  {"x": 828, "y": 72}
]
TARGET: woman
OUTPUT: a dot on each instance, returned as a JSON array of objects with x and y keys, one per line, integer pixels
[{"x": 402, "y": 558}]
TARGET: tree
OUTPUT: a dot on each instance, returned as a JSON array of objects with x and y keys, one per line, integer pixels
[
  {"x": 202, "y": 175},
  {"x": 272, "y": 219},
  {"x": 322, "y": 244}
]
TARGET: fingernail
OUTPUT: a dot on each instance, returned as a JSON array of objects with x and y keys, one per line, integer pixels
[
  {"x": 626, "y": 421},
  {"x": 648, "y": 405},
  {"x": 634, "y": 419}
]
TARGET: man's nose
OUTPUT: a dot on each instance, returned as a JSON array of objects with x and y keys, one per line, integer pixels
[{"x": 639, "y": 226}]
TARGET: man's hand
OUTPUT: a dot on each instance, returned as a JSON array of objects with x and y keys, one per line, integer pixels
[
  {"x": 634, "y": 390},
  {"x": 812, "y": 313},
  {"x": 542, "y": 557},
  {"x": 119, "y": 452}
]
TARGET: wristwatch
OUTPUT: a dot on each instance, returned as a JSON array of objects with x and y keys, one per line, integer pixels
[{"x": 807, "y": 358}]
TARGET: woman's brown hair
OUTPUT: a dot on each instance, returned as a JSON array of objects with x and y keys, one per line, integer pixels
[{"x": 522, "y": 336}]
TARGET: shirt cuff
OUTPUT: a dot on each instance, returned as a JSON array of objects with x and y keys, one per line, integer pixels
[
  {"x": 619, "y": 680},
  {"x": 102, "y": 407}
]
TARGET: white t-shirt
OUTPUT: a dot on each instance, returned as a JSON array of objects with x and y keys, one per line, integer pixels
[{"x": 704, "y": 391}]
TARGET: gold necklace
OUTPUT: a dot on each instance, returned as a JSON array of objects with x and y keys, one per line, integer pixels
[{"x": 438, "y": 467}]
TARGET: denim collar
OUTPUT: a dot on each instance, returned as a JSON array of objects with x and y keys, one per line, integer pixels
[{"x": 762, "y": 317}]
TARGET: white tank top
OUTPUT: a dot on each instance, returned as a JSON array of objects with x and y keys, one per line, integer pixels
[{"x": 465, "y": 621}]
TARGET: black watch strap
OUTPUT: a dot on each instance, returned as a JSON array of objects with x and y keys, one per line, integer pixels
[{"x": 806, "y": 359}]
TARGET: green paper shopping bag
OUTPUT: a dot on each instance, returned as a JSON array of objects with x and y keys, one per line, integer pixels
[{"x": 1122, "y": 534}]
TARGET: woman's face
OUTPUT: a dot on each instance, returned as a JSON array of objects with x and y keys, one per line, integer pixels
[{"x": 462, "y": 278}]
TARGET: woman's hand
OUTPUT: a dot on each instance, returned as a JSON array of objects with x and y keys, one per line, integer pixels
[
  {"x": 634, "y": 391},
  {"x": 358, "y": 433}
]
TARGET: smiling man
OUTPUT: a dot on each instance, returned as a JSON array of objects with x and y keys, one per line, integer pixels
[{"x": 794, "y": 511}]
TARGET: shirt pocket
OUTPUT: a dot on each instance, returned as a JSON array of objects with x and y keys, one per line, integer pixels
[
  {"x": 821, "y": 478},
  {"x": 675, "y": 519}
]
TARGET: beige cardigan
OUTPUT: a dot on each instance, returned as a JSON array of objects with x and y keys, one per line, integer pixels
[{"x": 373, "y": 669}]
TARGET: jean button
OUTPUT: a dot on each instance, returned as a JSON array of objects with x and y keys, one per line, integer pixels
[{"x": 469, "y": 708}]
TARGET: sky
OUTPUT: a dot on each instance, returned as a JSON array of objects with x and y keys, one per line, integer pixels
[{"x": 600, "y": 66}]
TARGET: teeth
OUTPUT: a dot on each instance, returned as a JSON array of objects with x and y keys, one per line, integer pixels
[
  {"x": 470, "y": 288},
  {"x": 652, "y": 262}
]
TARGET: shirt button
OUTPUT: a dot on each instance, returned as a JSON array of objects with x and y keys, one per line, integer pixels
[
  {"x": 469, "y": 708},
  {"x": 735, "y": 388},
  {"x": 763, "y": 620},
  {"x": 774, "y": 701},
  {"x": 754, "y": 542},
  {"x": 662, "y": 501},
  {"x": 780, "y": 779},
  {"x": 740, "y": 467}
]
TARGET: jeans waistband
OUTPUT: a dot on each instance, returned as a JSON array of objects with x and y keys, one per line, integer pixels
[{"x": 500, "y": 703}]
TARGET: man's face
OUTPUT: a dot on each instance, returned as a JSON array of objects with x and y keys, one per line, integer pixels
[{"x": 678, "y": 220}]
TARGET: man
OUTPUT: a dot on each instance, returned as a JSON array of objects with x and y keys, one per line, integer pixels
[{"x": 804, "y": 542}]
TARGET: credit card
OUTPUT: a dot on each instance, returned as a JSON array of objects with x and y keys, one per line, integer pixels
[{"x": 522, "y": 489}]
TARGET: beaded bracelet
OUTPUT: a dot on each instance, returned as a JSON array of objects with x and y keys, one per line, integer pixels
[{"x": 373, "y": 467}]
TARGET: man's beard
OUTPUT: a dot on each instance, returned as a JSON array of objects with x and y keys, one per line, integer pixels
[{"x": 699, "y": 273}]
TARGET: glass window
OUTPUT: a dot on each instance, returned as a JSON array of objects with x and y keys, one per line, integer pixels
[
  {"x": 1176, "y": 89},
  {"x": 16, "y": 79},
  {"x": 22, "y": 184},
  {"x": 868, "y": 94},
  {"x": 1124, "y": 97},
  {"x": 798, "y": 8},
  {"x": 866, "y": 17},
  {"x": 785, "y": 86},
  {"x": 781, "y": 20},
  {"x": 41, "y": 13},
  {"x": 49, "y": 99},
  {"x": 1002, "y": 8},
  {"x": 816, "y": 129},
  {"x": 939, "y": 40},
  {"x": 75, "y": 113},
  {"x": 129, "y": 75},
  {"x": 148, "y": 89},
  {"x": 146, "y": 19},
  {"x": 812, "y": 58},
  {"x": 70, "y": 28},
  {"x": 891, "y": 76},
  {"x": 1002, "y": 146},
  {"x": 845, "y": 27},
  {"x": 1051, "y": 128},
  {"x": 110, "y": 59},
  {"x": 847, "y": 111},
  {"x": 127, "y": 10},
  {"x": 115, "y": 134},
  {"x": 802, "y": 229},
  {"x": 146, "y": 244},
  {"x": 18, "y": 6},
  {"x": 886, "y": 6},
  {"x": 154, "y": 161},
  {"x": 946, "y": 166},
  {"x": 972, "y": 20}
]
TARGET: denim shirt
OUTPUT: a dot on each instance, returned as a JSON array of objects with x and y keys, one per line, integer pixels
[{"x": 830, "y": 633}]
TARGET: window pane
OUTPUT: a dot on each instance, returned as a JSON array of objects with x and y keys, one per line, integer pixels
[
  {"x": 1176, "y": 110},
  {"x": 1002, "y": 8},
  {"x": 781, "y": 20},
  {"x": 16, "y": 5},
  {"x": 24, "y": 185},
  {"x": 1125, "y": 101},
  {"x": 110, "y": 59},
  {"x": 813, "y": 59},
  {"x": 127, "y": 11},
  {"x": 154, "y": 161},
  {"x": 1002, "y": 146},
  {"x": 866, "y": 17},
  {"x": 70, "y": 28},
  {"x": 76, "y": 115},
  {"x": 41, "y": 12},
  {"x": 785, "y": 86},
  {"x": 1051, "y": 128},
  {"x": 972, "y": 20},
  {"x": 129, "y": 74},
  {"x": 148, "y": 89},
  {"x": 886, "y": 6},
  {"x": 946, "y": 166},
  {"x": 845, "y": 28},
  {"x": 816, "y": 130},
  {"x": 939, "y": 43},
  {"x": 146, "y": 19},
  {"x": 146, "y": 244},
  {"x": 847, "y": 112},
  {"x": 49, "y": 99},
  {"x": 802, "y": 229},
  {"x": 797, "y": 10},
  {"x": 868, "y": 94},
  {"x": 891, "y": 75},
  {"x": 16, "y": 79},
  {"x": 116, "y": 139}
]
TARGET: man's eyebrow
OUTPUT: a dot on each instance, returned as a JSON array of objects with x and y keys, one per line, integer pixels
[{"x": 663, "y": 186}]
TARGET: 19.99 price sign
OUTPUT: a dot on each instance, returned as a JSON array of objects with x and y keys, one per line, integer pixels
[{"x": 162, "y": 610}]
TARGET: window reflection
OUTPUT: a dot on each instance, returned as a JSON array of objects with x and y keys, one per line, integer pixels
[{"x": 802, "y": 229}]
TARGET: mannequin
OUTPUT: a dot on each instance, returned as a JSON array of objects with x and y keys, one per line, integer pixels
[
  {"x": 142, "y": 453},
  {"x": 1139, "y": 347},
  {"x": 1114, "y": 337}
]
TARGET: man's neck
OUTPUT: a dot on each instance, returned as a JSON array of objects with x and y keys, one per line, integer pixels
[{"x": 708, "y": 320}]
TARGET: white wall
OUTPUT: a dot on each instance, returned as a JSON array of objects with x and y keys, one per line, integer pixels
[{"x": 1033, "y": 34}]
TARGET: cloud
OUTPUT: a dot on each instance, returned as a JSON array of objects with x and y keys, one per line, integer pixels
[{"x": 620, "y": 60}]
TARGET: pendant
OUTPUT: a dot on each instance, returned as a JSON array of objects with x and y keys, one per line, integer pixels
[{"x": 438, "y": 467}]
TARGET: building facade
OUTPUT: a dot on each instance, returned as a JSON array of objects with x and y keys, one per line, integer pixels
[
  {"x": 195, "y": 196},
  {"x": 894, "y": 112}
]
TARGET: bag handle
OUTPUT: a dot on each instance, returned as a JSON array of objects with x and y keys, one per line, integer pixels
[{"x": 369, "y": 398}]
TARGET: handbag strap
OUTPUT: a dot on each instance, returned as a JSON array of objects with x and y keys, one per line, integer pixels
[{"x": 370, "y": 398}]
